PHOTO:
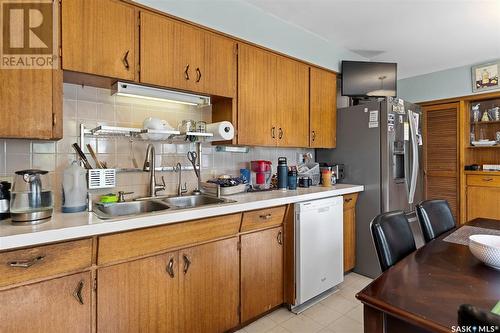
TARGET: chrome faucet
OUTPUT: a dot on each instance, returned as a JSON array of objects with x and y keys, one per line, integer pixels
[
  {"x": 180, "y": 190},
  {"x": 150, "y": 165}
]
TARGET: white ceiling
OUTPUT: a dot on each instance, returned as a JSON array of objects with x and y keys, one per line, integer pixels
[{"x": 422, "y": 36}]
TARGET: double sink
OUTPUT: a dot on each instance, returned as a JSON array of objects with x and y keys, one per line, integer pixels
[{"x": 145, "y": 206}]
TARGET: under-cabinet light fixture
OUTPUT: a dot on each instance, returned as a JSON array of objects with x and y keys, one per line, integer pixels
[{"x": 156, "y": 94}]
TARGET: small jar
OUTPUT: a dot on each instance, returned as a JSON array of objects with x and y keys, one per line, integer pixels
[{"x": 326, "y": 178}]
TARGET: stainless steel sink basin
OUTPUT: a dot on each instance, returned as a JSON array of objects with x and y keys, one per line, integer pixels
[
  {"x": 190, "y": 201},
  {"x": 129, "y": 208}
]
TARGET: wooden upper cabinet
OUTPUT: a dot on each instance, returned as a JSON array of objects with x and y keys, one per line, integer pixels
[
  {"x": 261, "y": 272},
  {"x": 139, "y": 296},
  {"x": 31, "y": 103},
  {"x": 99, "y": 37},
  {"x": 219, "y": 73},
  {"x": 157, "y": 51},
  {"x": 59, "y": 305},
  {"x": 181, "y": 56},
  {"x": 209, "y": 286},
  {"x": 323, "y": 108},
  {"x": 292, "y": 103},
  {"x": 256, "y": 96},
  {"x": 189, "y": 58}
]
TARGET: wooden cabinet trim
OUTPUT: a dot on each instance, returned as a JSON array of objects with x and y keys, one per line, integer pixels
[
  {"x": 142, "y": 242},
  {"x": 145, "y": 8},
  {"x": 45, "y": 261}
]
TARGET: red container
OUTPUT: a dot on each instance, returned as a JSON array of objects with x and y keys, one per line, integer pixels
[{"x": 260, "y": 166}]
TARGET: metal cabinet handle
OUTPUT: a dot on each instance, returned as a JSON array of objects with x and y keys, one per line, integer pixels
[
  {"x": 265, "y": 217},
  {"x": 313, "y": 135},
  {"x": 280, "y": 133},
  {"x": 170, "y": 268},
  {"x": 186, "y": 73},
  {"x": 25, "y": 263},
  {"x": 78, "y": 292},
  {"x": 198, "y": 75},
  {"x": 348, "y": 200},
  {"x": 273, "y": 129},
  {"x": 187, "y": 263},
  {"x": 125, "y": 60},
  {"x": 279, "y": 238},
  {"x": 487, "y": 179}
]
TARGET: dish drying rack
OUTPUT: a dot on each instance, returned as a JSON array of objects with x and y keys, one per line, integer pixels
[{"x": 135, "y": 134}]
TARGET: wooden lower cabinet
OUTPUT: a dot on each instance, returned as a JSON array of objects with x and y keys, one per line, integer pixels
[
  {"x": 209, "y": 287},
  {"x": 58, "y": 306},
  {"x": 139, "y": 296},
  {"x": 350, "y": 231},
  {"x": 483, "y": 202},
  {"x": 190, "y": 290},
  {"x": 261, "y": 272}
]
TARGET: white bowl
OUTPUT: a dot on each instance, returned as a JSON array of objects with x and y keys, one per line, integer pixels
[{"x": 486, "y": 248}]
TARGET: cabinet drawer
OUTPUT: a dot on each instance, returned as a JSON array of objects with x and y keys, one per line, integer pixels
[
  {"x": 350, "y": 200},
  {"x": 42, "y": 261},
  {"x": 262, "y": 218},
  {"x": 142, "y": 242},
  {"x": 483, "y": 180}
]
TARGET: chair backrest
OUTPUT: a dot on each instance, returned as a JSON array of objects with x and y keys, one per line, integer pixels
[
  {"x": 469, "y": 315},
  {"x": 435, "y": 218},
  {"x": 393, "y": 238}
]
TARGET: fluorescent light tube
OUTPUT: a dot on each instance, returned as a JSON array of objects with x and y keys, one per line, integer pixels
[{"x": 156, "y": 94}]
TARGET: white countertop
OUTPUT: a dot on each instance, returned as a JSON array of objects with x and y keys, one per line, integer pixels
[{"x": 78, "y": 225}]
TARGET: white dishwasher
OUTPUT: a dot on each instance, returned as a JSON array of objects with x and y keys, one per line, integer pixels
[{"x": 319, "y": 247}]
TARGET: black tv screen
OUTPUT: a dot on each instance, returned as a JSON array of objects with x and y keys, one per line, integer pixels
[{"x": 369, "y": 79}]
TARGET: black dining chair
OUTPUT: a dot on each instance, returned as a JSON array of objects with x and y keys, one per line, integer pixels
[
  {"x": 392, "y": 237},
  {"x": 470, "y": 316},
  {"x": 435, "y": 218}
]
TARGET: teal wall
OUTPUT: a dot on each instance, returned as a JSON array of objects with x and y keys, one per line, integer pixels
[
  {"x": 453, "y": 82},
  {"x": 243, "y": 20}
]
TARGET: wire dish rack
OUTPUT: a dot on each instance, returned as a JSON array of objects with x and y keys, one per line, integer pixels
[
  {"x": 134, "y": 133},
  {"x": 312, "y": 172}
]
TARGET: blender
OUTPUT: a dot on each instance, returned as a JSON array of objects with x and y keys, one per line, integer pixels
[
  {"x": 261, "y": 174},
  {"x": 31, "y": 198}
]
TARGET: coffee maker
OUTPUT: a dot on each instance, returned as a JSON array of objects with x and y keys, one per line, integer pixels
[{"x": 4, "y": 200}]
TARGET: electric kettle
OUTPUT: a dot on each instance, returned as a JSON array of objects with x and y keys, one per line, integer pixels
[{"x": 32, "y": 200}]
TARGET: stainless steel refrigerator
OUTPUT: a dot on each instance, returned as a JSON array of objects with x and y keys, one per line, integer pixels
[{"x": 380, "y": 144}]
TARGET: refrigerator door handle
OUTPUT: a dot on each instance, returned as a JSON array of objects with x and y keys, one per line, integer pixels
[{"x": 415, "y": 166}]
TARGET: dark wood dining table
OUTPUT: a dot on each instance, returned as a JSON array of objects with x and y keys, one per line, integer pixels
[{"x": 423, "y": 291}]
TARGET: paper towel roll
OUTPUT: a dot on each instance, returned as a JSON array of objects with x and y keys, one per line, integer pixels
[{"x": 222, "y": 131}]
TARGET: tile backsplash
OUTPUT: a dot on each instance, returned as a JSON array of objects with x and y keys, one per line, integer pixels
[{"x": 95, "y": 106}]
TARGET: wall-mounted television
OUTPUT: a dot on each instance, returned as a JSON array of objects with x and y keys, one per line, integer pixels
[{"x": 369, "y": 79}]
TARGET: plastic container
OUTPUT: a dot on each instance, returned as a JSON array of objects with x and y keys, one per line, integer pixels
[
  {"x": 74, "y": 189},
  {"x": 261, "y": 174}
]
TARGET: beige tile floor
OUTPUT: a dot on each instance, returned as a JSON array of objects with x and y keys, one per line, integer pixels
[{"x": 339, "y": 313}]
